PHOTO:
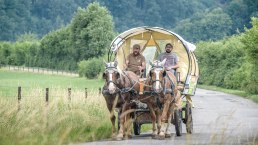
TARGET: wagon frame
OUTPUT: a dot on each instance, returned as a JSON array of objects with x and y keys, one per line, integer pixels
[{"x": 152, "y": 41}]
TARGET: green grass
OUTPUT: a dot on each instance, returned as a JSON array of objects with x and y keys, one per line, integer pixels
[
  {"x": 61, "y": 121},
  {"x": 244, "y": 94},
  {"x": 9, "y": 82},
  {"x": 146, "y": 127}
]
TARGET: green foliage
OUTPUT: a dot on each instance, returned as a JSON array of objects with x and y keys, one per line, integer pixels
[
  {"x": 210, "y": 25},
  {"x": 41, "y": 16},
  {"x": 29, "y": 37},
  {"x": 60, "y": 122},
  {"x": 220, "y": 61},
  {"x": 55, "y": 50},
  {"x": 241, "y": 11},
  {"x": 250, "y": 40},
  {"x": 6, "y": 50},
  {"x": 88, "y": 36},
  {"x": 232, "y": 62},
  {"x": 19, "y": 53},
  {"x": 90, "y": 68},
  {"x": 13, "y": 20},
  {"x": 91, "y": 32}
]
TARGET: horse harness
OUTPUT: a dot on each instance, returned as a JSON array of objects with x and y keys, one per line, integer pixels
[{"x": 165, "y": 90}]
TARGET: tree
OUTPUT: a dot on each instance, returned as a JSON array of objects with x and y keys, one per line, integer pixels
[
  {"x": 211, "y": 25},
  {"x": 91, "y": 32},
  {"x": 250, "y": 41},
  {"x": 29, "y": 37},
  {"x": 238, "y": 11},
  {"x": 55, "y": 50}
]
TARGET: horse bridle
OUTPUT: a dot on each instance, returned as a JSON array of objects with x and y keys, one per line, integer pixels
[
  {"x": 111, "y": 70},
  {"x": 153, "y": 81}
]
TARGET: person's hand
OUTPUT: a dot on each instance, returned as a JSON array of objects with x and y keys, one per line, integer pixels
[
  {"x": 140, "y": 68},
  {"x": 125, "y": 67},
  {"x": 168, "y": 68}
]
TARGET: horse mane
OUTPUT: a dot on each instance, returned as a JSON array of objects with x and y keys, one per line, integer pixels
[{"x": 129, "y": 79}]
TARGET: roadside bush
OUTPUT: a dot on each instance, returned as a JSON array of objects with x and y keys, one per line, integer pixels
[
  {"x": 90, "y": 68},
  {"x": 250, "y": 45},
  {"x": 232, "y": 62},
  {"x": 237, "y": 79},
  {"x": 220, "y": 63}
]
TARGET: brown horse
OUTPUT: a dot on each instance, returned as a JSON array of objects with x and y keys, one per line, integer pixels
[
  {"x": 111, "y": 92},
  {"x": 128, "y": 83},
  {"x": 129, "y": 86},
  {"x": 117, "y": 92},
  {"x": 164, "y": 85},
  {"x": 130, "y": 94}
]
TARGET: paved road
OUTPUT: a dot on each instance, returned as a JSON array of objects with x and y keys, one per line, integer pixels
[{"x": 219, "y": 118}]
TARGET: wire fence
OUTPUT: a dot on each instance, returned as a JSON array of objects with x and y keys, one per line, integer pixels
[
  {"x": 11, "y": 92},
  {"x": 38, "y": 96},
  {"x": 47, "y": 94},
  {"x": 40, "y": 70}
]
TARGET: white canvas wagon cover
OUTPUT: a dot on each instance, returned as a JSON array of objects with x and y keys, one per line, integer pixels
[{"x": 152, "y": 41}]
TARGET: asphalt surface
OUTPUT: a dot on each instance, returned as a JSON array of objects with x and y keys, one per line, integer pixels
[{"x": 219, "y": 118}]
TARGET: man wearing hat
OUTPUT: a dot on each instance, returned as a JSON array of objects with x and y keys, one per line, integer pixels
[{"x": 135, "y": 61}]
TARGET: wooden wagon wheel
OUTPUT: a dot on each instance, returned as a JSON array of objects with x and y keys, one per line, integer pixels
[
  {"x": 137, "y": 128},
  {"x": 178, "y": 121},
  {"x": 189, "y": 118}
]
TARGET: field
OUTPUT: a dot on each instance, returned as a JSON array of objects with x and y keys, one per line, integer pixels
[
  {"x": 61, "y": 121},
  {"x": 9, "y": 82}
]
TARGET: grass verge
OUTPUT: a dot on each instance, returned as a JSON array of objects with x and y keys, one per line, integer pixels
[
  {"x": 234, "y": 92},
  {"x": 60, "y": 122}
]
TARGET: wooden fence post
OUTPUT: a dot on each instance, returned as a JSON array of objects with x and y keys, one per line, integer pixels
[
  {"x": 69, "y": 94},
  {"x": 99, "y": 91},
  {"x": 19, "y": 97},
  {"x": 86, "y": 93},
  {"x": 47, "y": 92}
]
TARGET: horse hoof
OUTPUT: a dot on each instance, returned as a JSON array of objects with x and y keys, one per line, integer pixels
[
  {"x": 119, "y": 137},
  {"x": 167, "y": 135},
  {"x": 113, "y": 137},
  {"x": 154, "y": 136},
  {"x": 161, "y": 135},
  {"x": 128, "y": 137}
]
